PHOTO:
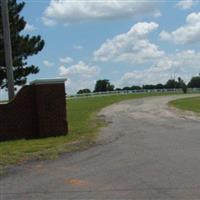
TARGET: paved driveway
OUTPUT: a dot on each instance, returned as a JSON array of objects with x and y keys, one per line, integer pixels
[{"x": 148, "y": 151}]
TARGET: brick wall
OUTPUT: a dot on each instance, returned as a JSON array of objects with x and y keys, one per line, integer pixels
[{"x": 38, "y": 110}]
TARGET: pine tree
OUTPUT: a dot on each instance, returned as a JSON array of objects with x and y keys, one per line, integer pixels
[{"x": 23, "y": 46}]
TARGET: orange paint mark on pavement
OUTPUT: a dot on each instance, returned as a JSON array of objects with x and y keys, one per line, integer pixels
[
  {"x": 39, "y": 166},
  {"x": 77, "y": 182}
]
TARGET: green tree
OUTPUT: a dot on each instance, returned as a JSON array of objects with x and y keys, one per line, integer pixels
[
  {"x": 194, "y": 82},
  {"x": 103, "y": 85},
  {"x": 172, "y": 83},
  {"x": 135, "y": 87},
  {"x": 23, "y": 46},
  {"x": 148, "y": 87},
  {"x": 182, "y": 85},
  {"x": 159, "y": 86},
  {"x": 126, "y": 88},
  {"x": 84, "y": 91}
]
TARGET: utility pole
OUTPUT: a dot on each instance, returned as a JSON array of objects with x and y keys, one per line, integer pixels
[{"x": 7, "y": 48}]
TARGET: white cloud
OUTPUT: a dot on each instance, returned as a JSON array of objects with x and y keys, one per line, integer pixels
[
  {"x": 164, "y": 35},
  {"x": 132, "y": 46},
  {"x": 80, "y": 76},
  {"x": 184, "y": 64},
  {"x": 68, "y": 82},
  {"x": 48, "y": 63},
  {"x": 78, "y": 47},
  {"x": 73, "y": 85},
  {"x": 187, "y": 61},
  {"x": 29, "y": 28},
  {"x": 48, "y": 21},
  {"x": 185, "y": 4},
  {"x": 66, "y": 60},
  {"x": 189, "y": 33},
  {"x": 86, "y": 83},
  {"x": 76, "y": 11},
  {"x": 81, "y": 69},
  {"x": 157, "y": 13}
]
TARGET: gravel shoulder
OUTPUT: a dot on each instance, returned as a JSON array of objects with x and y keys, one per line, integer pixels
[{"x": 151, "y": 108}]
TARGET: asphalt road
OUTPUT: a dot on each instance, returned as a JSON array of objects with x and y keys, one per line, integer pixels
[{"x": 148, "y": 151}]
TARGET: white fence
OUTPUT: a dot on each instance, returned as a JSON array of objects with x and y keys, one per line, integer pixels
[
  {"x": 3, "y": 94},
  {"x": 125, "y": 92}
]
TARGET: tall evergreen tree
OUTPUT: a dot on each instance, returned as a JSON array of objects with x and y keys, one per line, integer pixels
[{"x": 23, "y": 46}]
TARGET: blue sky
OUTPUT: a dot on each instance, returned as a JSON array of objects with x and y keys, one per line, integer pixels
[{"x": 127, "y": 42}]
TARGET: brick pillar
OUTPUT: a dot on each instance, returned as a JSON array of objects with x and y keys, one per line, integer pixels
[{"x": 51, "y": 112}]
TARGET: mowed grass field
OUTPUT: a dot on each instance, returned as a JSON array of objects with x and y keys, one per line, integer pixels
[
  {"x": 83, "y": 128},
  {"x": 189, "y": 104}
]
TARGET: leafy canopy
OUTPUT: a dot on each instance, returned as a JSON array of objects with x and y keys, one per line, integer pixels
[
  {"x": 194, "y": 82},
  {"x": 103, "y": 86},
  {"x": 84, "y": 91}
]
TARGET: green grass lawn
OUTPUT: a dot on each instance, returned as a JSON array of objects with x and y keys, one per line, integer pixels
[
  {"x": 190, "y": 104},
  {"x": 83, "y": 126}
]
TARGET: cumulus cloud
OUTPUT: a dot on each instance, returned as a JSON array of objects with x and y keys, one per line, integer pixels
[
  {"x": 132, "y": 46},
  {"x": 48, "y": 63},
  {"x": 73, "y": 85},
  {"x": 84, "y": 10},
  {"x": 185, "y": 4},
  {"x": 184, "y": 64},
  {"x": 81, "y": 69},
  {"x": 30, "y": 28},
  {"x": 189, "y": 33},
  {"x": 66, "y": 60},
  {"x": 80, "y": 75}
]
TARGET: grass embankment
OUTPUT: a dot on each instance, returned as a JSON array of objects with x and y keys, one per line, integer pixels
[
  {"x": 83, "y": 126},
  {"x": 188, "y": 104}
]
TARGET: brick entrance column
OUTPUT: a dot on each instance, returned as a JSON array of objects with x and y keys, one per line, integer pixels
[{"x": 50, "y": 104}]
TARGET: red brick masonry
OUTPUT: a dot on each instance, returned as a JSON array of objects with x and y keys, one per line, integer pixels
[{"x": 38, "y": 110}]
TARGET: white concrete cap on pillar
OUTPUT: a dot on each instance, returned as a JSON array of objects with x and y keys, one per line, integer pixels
[{"x": 48, "y": 81}]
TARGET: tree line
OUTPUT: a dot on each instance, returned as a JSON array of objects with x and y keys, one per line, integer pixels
[{"x": 105, "y": 85}]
